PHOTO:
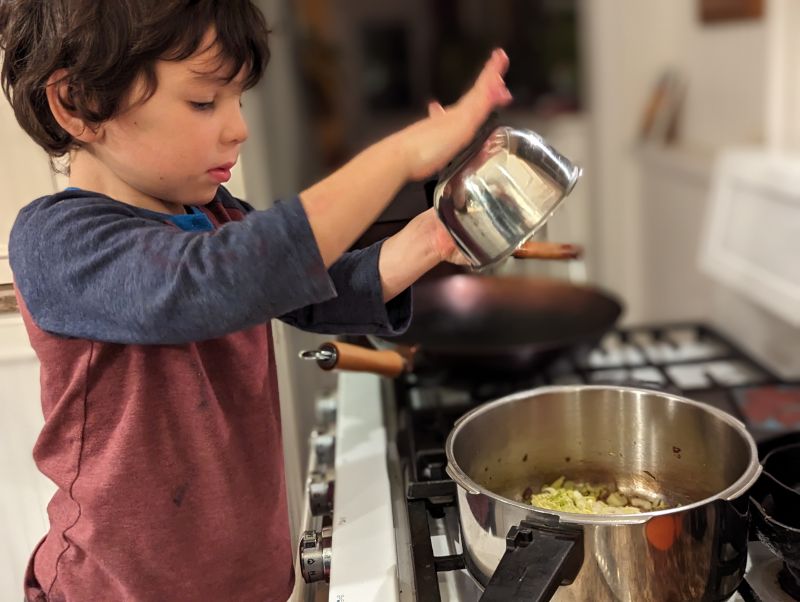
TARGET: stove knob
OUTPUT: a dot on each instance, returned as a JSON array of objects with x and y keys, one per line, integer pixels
[
  {"x": 315, "y": 555},
  {"x": 326, "y": 410},
  {"x": 324, "y": 445},
  {"x": 320, "y": 493}
]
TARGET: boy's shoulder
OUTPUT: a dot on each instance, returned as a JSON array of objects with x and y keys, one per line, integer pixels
[
  {"x": 74, "y": 213},
  {"x": 59, "y": 209},
  {"x": 55, "y": 206},
  {"x": 71, "y": 198}
]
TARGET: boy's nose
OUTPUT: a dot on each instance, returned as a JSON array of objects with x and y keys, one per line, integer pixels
[{"x": 235, "y": 131}]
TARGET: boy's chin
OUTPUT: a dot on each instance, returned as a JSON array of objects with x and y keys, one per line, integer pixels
[
  {"x": 203, "y": 196},
  {"x": 207, "y": 198}
]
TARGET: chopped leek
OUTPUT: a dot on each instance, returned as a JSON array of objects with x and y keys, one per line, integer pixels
[{"x": 586, "y": 498}]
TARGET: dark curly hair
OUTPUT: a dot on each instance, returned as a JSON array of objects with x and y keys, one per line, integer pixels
[{"x": 105, "y": 45}]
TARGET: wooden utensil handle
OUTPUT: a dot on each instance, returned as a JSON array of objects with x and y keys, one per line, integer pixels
[
  {"x": 360, "y": 359},
  {"x": 548, "y": 250}
]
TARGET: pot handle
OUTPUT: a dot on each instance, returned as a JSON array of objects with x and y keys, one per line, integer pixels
[
  {"x": 547, "y": 250},
  {"x": 460, "y": 480},
  {"x": 753, "y": 476},
  {"x": 344, "y": 356},
  {"x": 537, "y": 561}
]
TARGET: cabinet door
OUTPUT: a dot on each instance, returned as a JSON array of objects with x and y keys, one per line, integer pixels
[{"x": 25, "y": 174}]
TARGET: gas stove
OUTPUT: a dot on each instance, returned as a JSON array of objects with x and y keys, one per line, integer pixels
[{"x": 394, "y": 532}]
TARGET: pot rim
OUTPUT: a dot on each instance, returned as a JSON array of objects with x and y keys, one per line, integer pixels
[{"x": 735, "y": 490}]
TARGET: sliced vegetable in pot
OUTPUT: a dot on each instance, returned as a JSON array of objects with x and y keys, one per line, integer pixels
[{"x": 586, "y": 498}]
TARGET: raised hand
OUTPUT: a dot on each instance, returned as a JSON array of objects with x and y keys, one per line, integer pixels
[{"x": 429, "y": 144}]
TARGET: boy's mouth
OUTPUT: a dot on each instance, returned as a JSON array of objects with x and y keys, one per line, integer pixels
[{"x": 221, "y": 173}]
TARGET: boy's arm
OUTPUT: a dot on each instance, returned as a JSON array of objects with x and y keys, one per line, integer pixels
[
  {"x": 373, "y": 283},
  {"x": 417, "y": 248},
  {"x": 359, "y": 306},
  {"x": 340, "y": 207},
  {"x": 343, "y": 205},
  {"x": 90, "y": 267}
]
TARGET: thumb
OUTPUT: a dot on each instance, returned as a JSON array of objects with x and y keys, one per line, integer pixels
[{"x": 435, "y": 108}]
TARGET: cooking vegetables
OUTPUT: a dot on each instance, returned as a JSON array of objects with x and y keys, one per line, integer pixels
[{"x": 586, "y": 498}]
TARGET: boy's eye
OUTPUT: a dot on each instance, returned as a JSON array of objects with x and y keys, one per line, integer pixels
[{"x": 202, "y": 106}]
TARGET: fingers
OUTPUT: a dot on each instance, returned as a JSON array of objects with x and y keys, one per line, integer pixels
[
  {"x": 489, "y": 91},
  {"x": 499, "y": 61},
  {"x": 492, "y": 76}
]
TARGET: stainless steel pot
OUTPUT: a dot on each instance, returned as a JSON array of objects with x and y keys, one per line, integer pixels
[{"x": 701, "y": 460}]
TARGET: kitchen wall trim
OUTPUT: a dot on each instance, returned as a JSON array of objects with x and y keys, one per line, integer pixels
[
  {"x": 783, "y": 75},
  {"x": 5, "y": 268}
]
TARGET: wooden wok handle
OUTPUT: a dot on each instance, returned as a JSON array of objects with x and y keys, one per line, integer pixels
[
  {"x": 344, "y": 356},
  {"x": 547, "y": 250}
]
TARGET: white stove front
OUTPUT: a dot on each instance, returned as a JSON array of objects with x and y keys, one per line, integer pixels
[{"x": 362, "y": 546}]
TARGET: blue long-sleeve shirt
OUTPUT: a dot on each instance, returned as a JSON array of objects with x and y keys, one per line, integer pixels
[{"x": 91, "y": 267}]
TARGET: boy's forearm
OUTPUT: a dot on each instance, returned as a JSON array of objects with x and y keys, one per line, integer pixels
[
  {"x": 408, "y": 255},
  {"x": 343, "y": 205}
]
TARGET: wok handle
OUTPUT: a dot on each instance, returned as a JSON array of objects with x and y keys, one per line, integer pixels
[
  {"x": 344, "y": 356},
  {"x": 537, "y": 561},
  {"x": 547, "y": 250}
]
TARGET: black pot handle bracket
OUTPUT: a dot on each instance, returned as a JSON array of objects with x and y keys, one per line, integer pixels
[{"x": 537, "y": 561}]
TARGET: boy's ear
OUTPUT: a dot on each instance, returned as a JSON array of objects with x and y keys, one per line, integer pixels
[{"x": 57, "y": 92}]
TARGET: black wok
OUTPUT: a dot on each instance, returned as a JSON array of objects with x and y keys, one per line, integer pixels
[{"x": 468, "y": 325}]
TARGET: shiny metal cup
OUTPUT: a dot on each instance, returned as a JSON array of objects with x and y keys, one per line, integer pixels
[
  {"x": 497, "y": 196},
  {"x": 700, "y": 459}
]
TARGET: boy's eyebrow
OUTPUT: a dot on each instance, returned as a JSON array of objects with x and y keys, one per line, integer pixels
[
  {"x": 216, "y": 79},
  {"x": 212, "y": 77}
]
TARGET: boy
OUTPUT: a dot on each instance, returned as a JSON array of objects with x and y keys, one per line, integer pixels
[{"x": 147, "y": 290}]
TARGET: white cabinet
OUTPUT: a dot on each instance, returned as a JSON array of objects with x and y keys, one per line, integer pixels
[
  {"x": 25, "y": 173},
  {"x": 24, "y": 492}
]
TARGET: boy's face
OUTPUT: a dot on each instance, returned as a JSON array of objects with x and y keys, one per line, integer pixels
[{"x": 180, "y": 144}]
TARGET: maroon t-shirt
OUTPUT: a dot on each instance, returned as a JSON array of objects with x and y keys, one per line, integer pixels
[
  {"x": 163, "y": 440},
  {"x": 169, "y": 467}
]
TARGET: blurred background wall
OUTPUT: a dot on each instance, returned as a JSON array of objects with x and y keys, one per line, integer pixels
[{"x": 346, "y": 72}]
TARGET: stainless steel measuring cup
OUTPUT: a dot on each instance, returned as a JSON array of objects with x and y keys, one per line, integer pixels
[{"x": 500, "y": 191}]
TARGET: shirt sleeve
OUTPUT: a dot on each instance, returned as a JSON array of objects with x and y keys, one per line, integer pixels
[
  {"x": 359, "y": 307},
  {"x": 93, "y": 268}
]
